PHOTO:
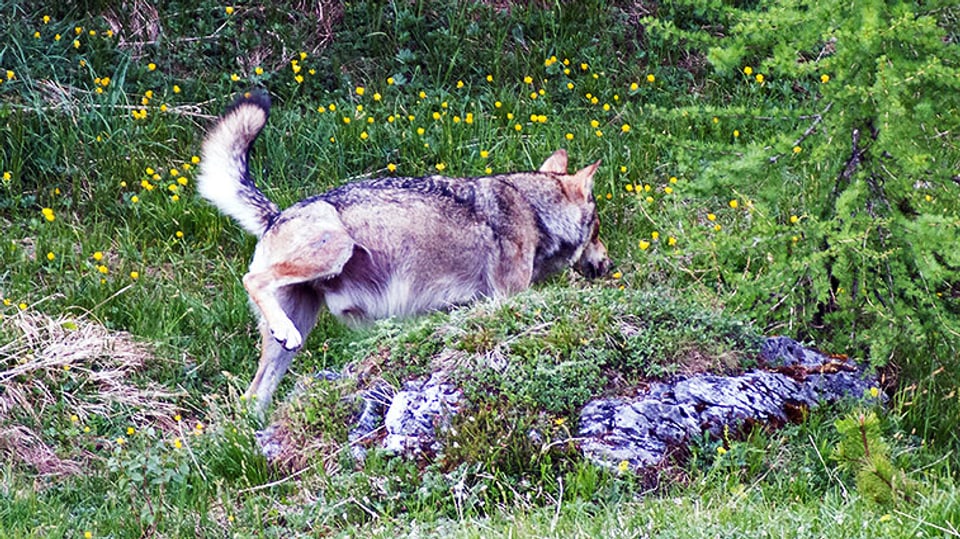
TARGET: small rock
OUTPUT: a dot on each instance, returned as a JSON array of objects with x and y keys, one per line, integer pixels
[{"x": 415, "y": 413}]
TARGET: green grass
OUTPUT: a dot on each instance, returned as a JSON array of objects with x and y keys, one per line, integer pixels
[{"x": 722, "y": 203}]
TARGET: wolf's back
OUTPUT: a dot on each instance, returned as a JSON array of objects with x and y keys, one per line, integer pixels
[{"x": 224, "y": 177}]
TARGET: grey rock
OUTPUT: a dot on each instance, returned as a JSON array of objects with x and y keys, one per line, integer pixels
[
  {"x": 375, "y": 403},
  {"x": 270, "y": 444},
  {"x": 641, "y": 431},
  {"x": 417, "y": 411}
]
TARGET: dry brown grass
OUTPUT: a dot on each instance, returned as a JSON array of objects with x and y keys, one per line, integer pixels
[{"x": 43, "y": 355}]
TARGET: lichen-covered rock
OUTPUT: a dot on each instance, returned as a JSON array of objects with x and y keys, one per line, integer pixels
[
  {"x": 640, "y": 431},
  {"x": 416, "y": 411}
]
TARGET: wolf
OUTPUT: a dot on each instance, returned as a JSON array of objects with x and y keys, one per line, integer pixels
[{"x": 392, "y": 246}]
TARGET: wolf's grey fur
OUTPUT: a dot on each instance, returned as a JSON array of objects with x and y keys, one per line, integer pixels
[{"x": 393, "y": 246}]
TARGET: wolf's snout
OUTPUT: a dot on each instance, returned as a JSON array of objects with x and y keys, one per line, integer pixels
[{"x": 594, "y": 262}]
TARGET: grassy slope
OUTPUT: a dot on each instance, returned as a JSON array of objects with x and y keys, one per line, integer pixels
[{"x": 71, "y": 143}]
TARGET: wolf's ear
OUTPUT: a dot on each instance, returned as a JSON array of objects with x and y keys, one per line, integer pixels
[
  {"x": 556, "y": 163},
  {"x": 579, "y": 186}
]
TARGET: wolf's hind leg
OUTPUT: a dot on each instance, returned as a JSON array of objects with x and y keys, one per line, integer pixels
[
  {"x": 309, "y": 244},
  {"x": 301, "y": 304}
]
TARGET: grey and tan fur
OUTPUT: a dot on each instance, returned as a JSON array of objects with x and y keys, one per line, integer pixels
[{"x": 393, "y": 246}]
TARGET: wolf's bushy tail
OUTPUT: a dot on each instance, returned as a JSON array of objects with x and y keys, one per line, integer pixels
[{"x": 224, "y": 177}]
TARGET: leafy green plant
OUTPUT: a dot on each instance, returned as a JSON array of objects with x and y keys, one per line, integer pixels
[{"x": 853, "y": 230}]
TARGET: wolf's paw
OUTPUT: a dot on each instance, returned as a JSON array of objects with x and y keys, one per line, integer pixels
[{"x": 287, "y": 336}]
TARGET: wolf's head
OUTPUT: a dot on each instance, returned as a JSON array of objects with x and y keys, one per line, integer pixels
[{"x": 591, "y": 259}]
